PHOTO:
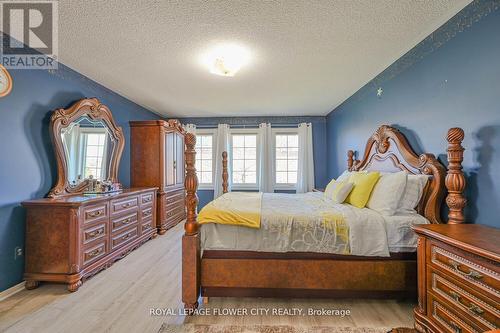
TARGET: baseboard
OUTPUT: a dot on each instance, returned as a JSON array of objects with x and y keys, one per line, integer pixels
[{"x": 11, "y": 291}]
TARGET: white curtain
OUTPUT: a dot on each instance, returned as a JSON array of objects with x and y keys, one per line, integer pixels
[
  {"x": 190, "y": 128},
  {"x": 266, "y": 169},
  {"x": 305, "y": 173},
  {"x": 222, "y": 145}
]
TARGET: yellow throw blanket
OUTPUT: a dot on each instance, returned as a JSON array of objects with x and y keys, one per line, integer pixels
[{"x": 234, "y": 208}]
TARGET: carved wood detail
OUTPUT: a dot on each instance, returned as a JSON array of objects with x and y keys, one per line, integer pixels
[
  {"x": 389, "y": 143},
  {"x": 62, "y": 118},
  {"x": 455, "y": 179},
  {"x": 225, "y": 174},
  {"x": 191, "y": 186}
]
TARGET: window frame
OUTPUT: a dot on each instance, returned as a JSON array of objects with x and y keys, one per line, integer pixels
[
  {"x": 281, "y": 131},
  {"x": 245, "y": 131},
  {"x": 85, "y": 131},
  {"x": 213, "y": 132}
]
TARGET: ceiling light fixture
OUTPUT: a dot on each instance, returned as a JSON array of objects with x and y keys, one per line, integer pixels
[{"x": 226, "y": 59}]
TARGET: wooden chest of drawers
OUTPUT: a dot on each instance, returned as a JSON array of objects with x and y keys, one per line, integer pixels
[
  {"x": 458, "y": 278},
  {"x": 71, "y": 238}
]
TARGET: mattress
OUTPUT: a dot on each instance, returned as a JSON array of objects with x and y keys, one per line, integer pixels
[
  {"x": 296, "y": 223},
  {"x": 400, "y": 236}
]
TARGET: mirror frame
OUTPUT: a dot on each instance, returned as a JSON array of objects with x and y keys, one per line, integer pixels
[{"x": 62, "y": 118}]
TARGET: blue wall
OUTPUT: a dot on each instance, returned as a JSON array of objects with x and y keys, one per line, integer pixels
[
  {"x": 27, "y": 163},
  {"x": 319, "y": 141},
  {"x": 450, "y": 79}
]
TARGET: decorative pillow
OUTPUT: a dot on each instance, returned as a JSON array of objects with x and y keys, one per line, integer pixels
[
  {"x": 363, "y": 186},
  {"x": 412, "y": 194},
  {"x": 338, "y": 191},
  {"x": 344, "y": 176},
  {"x": 387, "y": 193}
]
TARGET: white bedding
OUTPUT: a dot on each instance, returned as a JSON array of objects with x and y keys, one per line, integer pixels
[
  {"x": 293, "y": 223},
  {"x": 400, "y": 236}
]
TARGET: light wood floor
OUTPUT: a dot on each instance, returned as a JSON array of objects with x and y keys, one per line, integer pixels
[{"x": 120, "y": 298}]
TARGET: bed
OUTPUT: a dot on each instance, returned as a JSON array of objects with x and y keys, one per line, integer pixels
[{"x": 223, "y": 260}]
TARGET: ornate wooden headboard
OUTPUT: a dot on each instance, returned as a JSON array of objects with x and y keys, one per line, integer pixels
[{"x": 388, "y": 150}]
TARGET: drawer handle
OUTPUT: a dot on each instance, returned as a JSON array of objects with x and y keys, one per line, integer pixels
[
  {"x": 95, "y": 213},
  {"x": 95, "y": 252},
  {"x": 146, "y": 199},
  {"x": 146, "y": 213},
  {"x": 96, "y": 233},
  {"x": 472, "y": 273},
  {"x": 455, "y": 296},
  {"x": 127, "y": 221},
  {"x": 455, "y": 327},
  {"x": 476, "y": 310},
  {"x": 127, "y": 236},
  {"x": 126, "y": 205}
]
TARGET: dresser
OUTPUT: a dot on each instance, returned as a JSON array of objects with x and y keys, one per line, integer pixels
[
  {"x": 73, "y": 237},
  {"x": 458, "y": 278},
  {"x": 157, "y": 159}
]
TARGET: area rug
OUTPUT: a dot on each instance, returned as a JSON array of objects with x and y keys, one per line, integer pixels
[{"x": 194, "y": 328}]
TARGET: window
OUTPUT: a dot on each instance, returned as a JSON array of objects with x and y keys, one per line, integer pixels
[
  {"x": 205, "y": 158},
  {"x": 244, "y": 159},
  {"x": 94, "y": 153},
  {"x": 286, "y": 159}
]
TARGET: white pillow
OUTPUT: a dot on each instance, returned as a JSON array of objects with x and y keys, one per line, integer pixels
[
  {"x": 338, "y": 191},
  {"x": 387, "y": 193},
  {"x": 344, "y": 176},
  {"x": 413, "y": 193}
]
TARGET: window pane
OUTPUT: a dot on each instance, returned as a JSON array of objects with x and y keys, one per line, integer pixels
[
  {"x": 238, "y": 140},
  {"x": 206, "y": 177},
  {"x": 250, "y": 141},
  {"x": 250, "y": 153},
  {"x": 206, "y": 140},
  {"x": 238, "y": 165},
  {"x": 237, "y": 177},
  {"x": 280, "y": 140},
  {"x": 238, "y": 153},
  {"x": 93, "y": 139},
  {"x": 292, "y": 177},
  {"x": 250, "y": 178},
  {"x": 293, "y": 141},
  {"x": 206, "y": 153},
  {"x": 206, "y": 165},
  {"x": 251, "y": 165},
  {"x": 281, "y": 153},
  {"x": 281, "y": 178},
  {"x": 92, "y": 151},
  {"x": 198, "y": 151},
  {"x": 293, "y": 153},
  {"x": 292, "y": 165},
  {"x": 91, "y": 162},
  {"x": 281, "y": 165},
  {"x": 197, "y": 165}
]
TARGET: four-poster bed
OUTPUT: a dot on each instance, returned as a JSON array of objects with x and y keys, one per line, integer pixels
[{"x": 220, "y": 273}]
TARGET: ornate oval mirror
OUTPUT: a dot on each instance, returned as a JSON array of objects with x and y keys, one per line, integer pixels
[{"x": 88, "y": 147}]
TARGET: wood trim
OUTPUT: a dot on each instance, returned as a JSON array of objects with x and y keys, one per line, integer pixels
[
  {"x": 225, "y": 173},
  {"x": 11, "y": 291},
  {"x": 455, "y": 179},
  {"x": 62, "y": 118},
  {"x": 389, "y": 143}
]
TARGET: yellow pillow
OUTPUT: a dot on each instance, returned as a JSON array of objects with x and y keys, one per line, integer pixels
[
  {"x": 338, "y": 191},
  {"x": 363, "y": 187}
]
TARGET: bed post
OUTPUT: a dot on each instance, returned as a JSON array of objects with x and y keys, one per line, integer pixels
[
  {"x": 455, "y": 179},
  {"x": 190, "y": 240},
  {"x": 225, "y": 174}
]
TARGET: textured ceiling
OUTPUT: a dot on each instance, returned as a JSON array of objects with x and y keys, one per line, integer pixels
[{"x": 307, "y": 57}]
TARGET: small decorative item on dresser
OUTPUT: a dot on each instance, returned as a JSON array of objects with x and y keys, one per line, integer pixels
[{"x": 458, "y": 278}]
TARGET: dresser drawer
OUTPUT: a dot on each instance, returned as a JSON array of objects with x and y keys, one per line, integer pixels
[
  {"x": 123, "y": 221},
  {"x": 480, "y": 309},
  {"x": 147, "y": 225},
  {"x": 93, "y": 213},
  {"x": 174, "y": 198},
  {"x": 93, "y": 252},
  {"x": 469, "y": 269},
  {"x": 124, "y": 237},
  {"x": 449, "y": 320},
  {"x": 121, "y": 205},
  {"x": 171, "y": 212},
  {"x": 94, "y": 232},
  {"x": 147, "y": 212},
  {"x": 147, "y": 198}
]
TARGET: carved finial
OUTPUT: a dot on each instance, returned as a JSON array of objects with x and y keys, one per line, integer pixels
[
  {"x": 455, "y": 179},
  {"x": 350, "y": 159},
  {"x": 191, "y": 185},
  {"x": 225, "y": 174}
]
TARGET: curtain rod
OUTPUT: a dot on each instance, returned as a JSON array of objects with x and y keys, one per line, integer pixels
[{"x": 248, "y": 126}]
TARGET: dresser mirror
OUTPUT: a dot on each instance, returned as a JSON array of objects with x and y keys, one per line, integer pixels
[{"x": 88, "y": 147}]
